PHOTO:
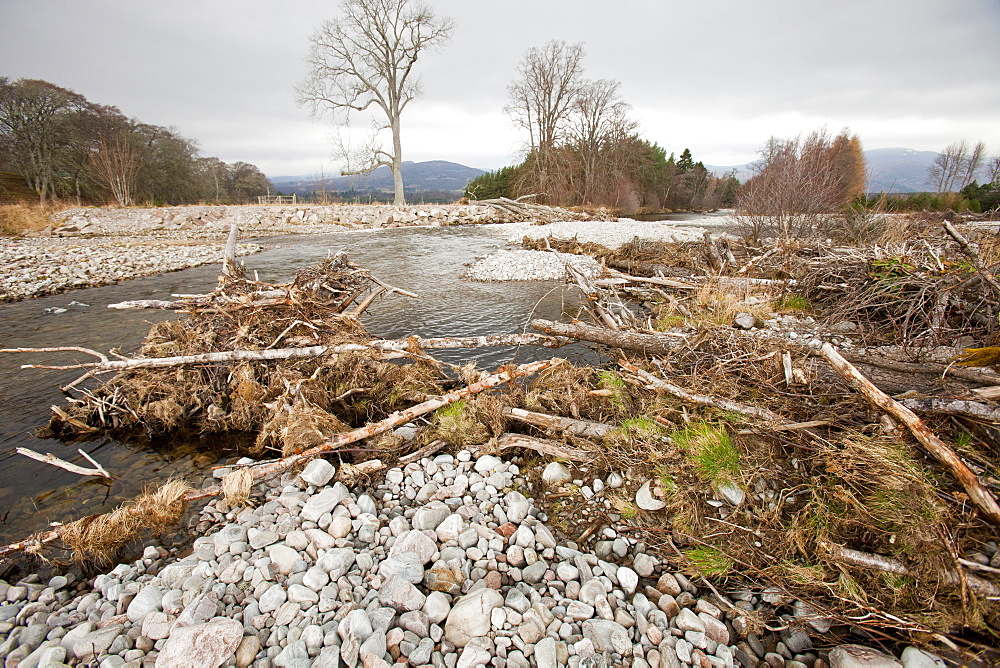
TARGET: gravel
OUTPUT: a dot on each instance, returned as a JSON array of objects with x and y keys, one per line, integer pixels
[
  {"x": 526, "y": 265},
  {"x": 446, "y": 579},
  {"x": 610, "y": 233}
]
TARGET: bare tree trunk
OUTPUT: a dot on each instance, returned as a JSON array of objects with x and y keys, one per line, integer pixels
[
  {"x": 399, "y": 199},
  {"x": 647, "y": 343}
]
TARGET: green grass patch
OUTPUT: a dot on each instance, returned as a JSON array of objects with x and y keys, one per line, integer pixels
[
  {"x": 792, "y": 302},
  {"x": 609, "y": 380},
  {"x": 709, "y": 561},
  {"x": 667, "y": 482},
  {"x": 669, "y": 322},
  {"x": 710, "y": 450}
]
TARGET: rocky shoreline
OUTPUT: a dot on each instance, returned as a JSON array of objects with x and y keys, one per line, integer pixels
[{"x": 444, "y": 562}]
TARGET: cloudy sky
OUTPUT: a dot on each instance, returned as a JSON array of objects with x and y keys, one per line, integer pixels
[{"x": 719, "y": 77}]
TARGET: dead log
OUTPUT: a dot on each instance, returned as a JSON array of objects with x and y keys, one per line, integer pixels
[
  {"x": 716, "y": 402},
  {"x": 544, "y": 446},
  {"x": 665, "y": 282},
  {"x": 934, "y": 445},
  {"x": 384, "y": 345},
  {"x": 232, "y": 268},
  {"x": 658, "y": 344},
  {"x": 583, "y": 428},
  {"x": 970, "y": 409},
  {"x": 927, "y": 368},
  {"x": 877, "y": 562}
]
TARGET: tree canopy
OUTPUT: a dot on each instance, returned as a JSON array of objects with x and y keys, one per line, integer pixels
[{"x": 63, "y": 145}]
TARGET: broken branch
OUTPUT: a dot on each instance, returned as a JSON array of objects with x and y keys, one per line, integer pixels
[{"x": 934, "y": 445}]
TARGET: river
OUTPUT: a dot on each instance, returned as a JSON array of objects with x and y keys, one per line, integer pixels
[{"x": 427, "y": 261}]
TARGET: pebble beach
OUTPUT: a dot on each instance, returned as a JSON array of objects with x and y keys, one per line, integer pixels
[{"x": 445, "y": 562}]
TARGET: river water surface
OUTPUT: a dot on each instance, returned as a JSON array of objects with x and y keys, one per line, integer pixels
[{"x": 427, "y": 261}]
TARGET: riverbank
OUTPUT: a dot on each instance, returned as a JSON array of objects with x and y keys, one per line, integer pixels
[
  {"x": 446, "y": 561},
  {"x": 90, "y": 247}
]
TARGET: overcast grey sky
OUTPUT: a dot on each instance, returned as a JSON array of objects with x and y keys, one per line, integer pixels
[{"x": 719, "y": 77}]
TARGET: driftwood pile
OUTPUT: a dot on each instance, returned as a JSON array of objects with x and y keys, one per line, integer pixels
[{"x": 749, "y": 459}]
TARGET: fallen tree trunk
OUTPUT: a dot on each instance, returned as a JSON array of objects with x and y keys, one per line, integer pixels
[
  {"x": 927, "y": 368},
  {"x": 544, "y": 446},
  {"x": 583, "y": 428},
  {"x": 657, "y": 344},
  {"x": 934, "y": 445},
  {"x": 971, "y": 409},
  {"x": 385, "y": 345}
]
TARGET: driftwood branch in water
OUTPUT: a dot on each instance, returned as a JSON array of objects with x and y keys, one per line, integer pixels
[
  {"x": 647, "y": 343},
  {"x": 49, "y": 458},
  {"x": 232, "y": 268},
  {"x": 385, "y": 345},
  {"x": 716, "y": 402},
  {"x": 399, "y": 417},
  {"x": 877, "y": 562},
  {"x": 583, "y": 428},
  {"x": 543, "y": 446},
  {"x": 934, "y": 445}
]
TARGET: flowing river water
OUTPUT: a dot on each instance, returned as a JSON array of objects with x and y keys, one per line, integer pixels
[{"x": 427, "y": 261}]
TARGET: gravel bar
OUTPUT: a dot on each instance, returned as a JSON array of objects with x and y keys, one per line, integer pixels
[{"x": 440, "y": 563}]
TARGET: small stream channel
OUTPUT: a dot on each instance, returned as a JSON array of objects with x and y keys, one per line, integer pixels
[{"x": 428, "y": 261}]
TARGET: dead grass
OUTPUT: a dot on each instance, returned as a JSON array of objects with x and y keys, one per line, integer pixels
[
  {"x": 19, "y": 219},
  {"x": 98, "y": 538}
]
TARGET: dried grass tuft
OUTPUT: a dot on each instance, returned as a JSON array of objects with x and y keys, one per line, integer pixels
[
  {"x": 236, "y": 486},
  {"x": 98, "y": 538}
]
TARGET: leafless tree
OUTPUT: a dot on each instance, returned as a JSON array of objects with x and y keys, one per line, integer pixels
[
  {"x": 598, "y": 123},
  {"x": 993, "y": 169},
  {"x": 364, "y": 59},
  {"x": 541, "y": 99},
  {"x": 116, "y": 163},
  {"x": 956, "y": 166},
  {"x": 799, "y": 182}
]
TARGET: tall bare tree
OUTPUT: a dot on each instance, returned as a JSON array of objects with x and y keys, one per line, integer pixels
[
  {"x": 540, "y": 101},
  {"x": 598, "y": 123},
  {"x": 956, "y": 166},
  {"x": 364, "y": 59}
]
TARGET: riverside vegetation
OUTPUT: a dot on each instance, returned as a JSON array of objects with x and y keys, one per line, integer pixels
[{"x": 720, "y": 441}]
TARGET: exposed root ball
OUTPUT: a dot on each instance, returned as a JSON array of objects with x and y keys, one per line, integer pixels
[{"x": 99, "y": 537}]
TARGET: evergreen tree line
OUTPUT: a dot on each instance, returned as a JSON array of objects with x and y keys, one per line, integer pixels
[{"x": 65, "y": 146}]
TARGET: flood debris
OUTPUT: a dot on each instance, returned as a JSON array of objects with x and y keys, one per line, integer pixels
[{"x": 803, "y": 453}]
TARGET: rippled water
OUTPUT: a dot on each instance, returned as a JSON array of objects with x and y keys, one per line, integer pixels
[{"x": 428, "y": 262}]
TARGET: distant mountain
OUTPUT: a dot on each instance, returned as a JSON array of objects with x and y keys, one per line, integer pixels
[
  {"x": 898, "y": 170},
  {"x": 890, "y": 170},
  {"x": 433, "y": 175}
]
